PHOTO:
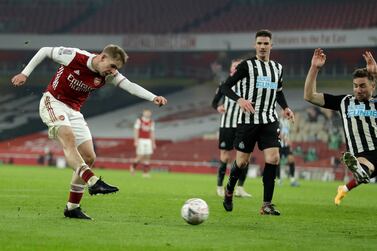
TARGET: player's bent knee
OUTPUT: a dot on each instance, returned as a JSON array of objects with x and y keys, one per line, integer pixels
[
  {"x": 274, "y": 159},
  {"x": 89, "y": 160}
]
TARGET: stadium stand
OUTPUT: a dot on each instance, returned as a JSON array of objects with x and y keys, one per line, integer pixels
[{"x": 179, "y": 16}]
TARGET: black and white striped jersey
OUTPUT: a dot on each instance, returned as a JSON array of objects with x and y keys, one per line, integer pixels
[
  {"x": 359, "y": 120},
  {"x": 263, "y": 81},
  {"x": 230, "y": 117}
]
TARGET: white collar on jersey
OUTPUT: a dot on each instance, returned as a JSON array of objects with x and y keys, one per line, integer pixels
[{"x": 89, "y": 63}]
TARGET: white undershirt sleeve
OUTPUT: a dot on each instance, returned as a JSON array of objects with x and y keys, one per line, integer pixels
[
  {"x": 121, "y": 81},
  {"x": 43, "y": 53}
]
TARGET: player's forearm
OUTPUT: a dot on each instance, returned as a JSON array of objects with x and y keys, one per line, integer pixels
[
  {"x": 310, "y": 89},
  {"x": 226, "y": 89},
  {"x": 43, "y": 53},
  {"x": 280, "y": 98},
  {"x": 136, "y": 89},
  {"x": 217, "y": 98}
]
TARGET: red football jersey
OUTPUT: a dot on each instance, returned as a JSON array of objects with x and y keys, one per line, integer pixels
[
  {"x": 145, "y": 128},
  {"x": 75, "y": 78}
]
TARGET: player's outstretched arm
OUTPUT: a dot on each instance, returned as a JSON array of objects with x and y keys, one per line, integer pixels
[
  {"x": 310, "y": 89},
  {"x": 122, "y": 82},
  {"x": 21, "y": 78}
]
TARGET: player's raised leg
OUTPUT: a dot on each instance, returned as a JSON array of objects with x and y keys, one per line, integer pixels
[{"x": 361, "y": 174}]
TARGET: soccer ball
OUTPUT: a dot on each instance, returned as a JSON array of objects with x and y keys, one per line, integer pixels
[{"x": 195, "y": 211}]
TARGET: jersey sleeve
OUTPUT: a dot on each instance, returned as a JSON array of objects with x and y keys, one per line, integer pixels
[
  {"x": 137, "y": 124},
  {"x": 218, "y": 99},
  {"x": 280, "y": 80},
  {"x": 43, "y": 53},
  {"x": 242, "y": 71},
  {"x": 332, "y": 101},
  {"x": 63, "y": 55},
  {"x": 122, "y": 82}
]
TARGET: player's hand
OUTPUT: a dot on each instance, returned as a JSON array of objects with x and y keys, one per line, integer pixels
[
  {"x": 245, "y": 105},
  {"x": 288, "y": 114},
  {"x": 221, "y": 109},
  {"x": 371, "y": 63},
  {"x": 135, "y": 143},
  {"x": 319, "y": 58},
  {"x": 19, "y": 79},
  {"x": 160, "y": 101}
]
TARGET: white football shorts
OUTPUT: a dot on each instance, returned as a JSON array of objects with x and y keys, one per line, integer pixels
[
  {"x": 144, "y": 147},
  {"x": 55, "y": 113}
]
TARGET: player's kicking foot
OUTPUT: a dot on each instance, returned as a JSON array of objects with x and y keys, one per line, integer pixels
[
  {"x": 269, "y": 209},
  {"x": 76, "y": 213},
  {"x": 220, "y": 191},
  {"x": 354, "y": 166},
  {"x": 240, "y": 192},
  {"x": 100, "y": 187},
  {"x": 340, "y": 195},
  {"x": 228, "y": 201}
]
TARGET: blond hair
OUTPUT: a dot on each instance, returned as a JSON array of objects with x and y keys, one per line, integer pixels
[{"x": 116, "y": 52}]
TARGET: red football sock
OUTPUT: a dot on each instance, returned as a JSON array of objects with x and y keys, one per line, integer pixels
[{"x": 352, "y": 184}]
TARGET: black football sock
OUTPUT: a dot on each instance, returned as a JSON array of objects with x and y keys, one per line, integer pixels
[
  {"x": 292, "y": 169},
  {"x": 269, "y": 175},
  {"x": 243, "y": 175},
  {"x": 221, "y": 173},
  {"x": 278, "y": 171},
  {"x": 233, "y": 177}
]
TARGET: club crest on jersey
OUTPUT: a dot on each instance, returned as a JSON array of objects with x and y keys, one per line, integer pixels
[
  {"x": 77, "y": 72},
  {"x": 97, "y": 81},
  {"x": 61, "y": 117}
]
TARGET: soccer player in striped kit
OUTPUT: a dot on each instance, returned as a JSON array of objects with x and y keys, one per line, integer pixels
[
  {"x": 228, "y": 124},
  {"x": 359, "y": 118},
  {"x": 258, "y": 123},
  {"x": 144, "y": 141},
  {"x": 79, "y": 73}
]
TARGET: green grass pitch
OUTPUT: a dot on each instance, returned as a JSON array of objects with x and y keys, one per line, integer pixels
[{"x": 145, "y": 215}]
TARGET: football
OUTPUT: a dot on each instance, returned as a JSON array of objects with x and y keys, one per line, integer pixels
[{"x": 195, "y": 211}]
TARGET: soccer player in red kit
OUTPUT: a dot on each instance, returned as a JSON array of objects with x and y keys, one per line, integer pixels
[
  {"x": 80, "y": 73},
  {"x": 144, "y": 142}
]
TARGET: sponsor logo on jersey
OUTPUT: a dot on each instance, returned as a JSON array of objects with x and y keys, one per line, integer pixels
[
  {"x": 360, "y": 111},
  {"x": 78, "y": 85},
  {"x": 264, "y": 82}
]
